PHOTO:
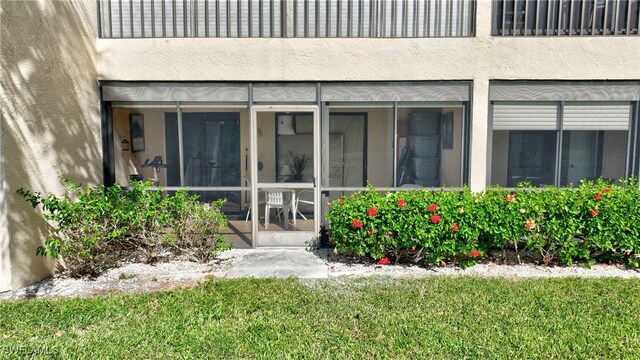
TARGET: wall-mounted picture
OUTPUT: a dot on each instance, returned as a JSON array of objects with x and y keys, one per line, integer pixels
[
  {"x": 447, "y": 131},
  {"x": 136, "y": 126}
]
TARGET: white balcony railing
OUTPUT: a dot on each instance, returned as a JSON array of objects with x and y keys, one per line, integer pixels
[
  {"x": 286, "y": 18},
  {"x": 565, "y": 17}
]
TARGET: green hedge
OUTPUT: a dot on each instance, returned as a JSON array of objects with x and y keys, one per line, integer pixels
[{"x": 597, "y": 221}]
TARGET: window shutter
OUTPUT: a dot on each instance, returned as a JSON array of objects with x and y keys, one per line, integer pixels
[
  {"x": 349, "y": 92},
  {"x": 602, "y": 116},
  {"x": 298, "y": 92},
  {"x": 525, "y": 116}
]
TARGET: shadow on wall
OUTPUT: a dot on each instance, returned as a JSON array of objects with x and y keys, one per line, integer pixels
[{"x": 51, "y": 114}]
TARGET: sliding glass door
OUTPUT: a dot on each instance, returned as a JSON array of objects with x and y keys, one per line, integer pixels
[{"x": 210, "y": 150}]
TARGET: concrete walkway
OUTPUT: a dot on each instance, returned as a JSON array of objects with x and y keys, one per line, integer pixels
[{"x": 278, "y": 263}]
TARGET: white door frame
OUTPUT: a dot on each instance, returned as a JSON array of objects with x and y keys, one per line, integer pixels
[{"x": 254, "y": 167}]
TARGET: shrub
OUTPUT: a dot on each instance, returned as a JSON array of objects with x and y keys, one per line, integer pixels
[
  {"x": 92, "y": 225},
  {"x": 413, "y": 224},
  {"x": 561, "y": 224},
  {"x": 595, "y": 222},
  {"x": 196, "y": 226},
  {"x": 612, "y": 220}
]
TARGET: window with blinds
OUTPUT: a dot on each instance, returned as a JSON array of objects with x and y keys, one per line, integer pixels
[
  {"x": 589, "y": 116},
  {"x": 565, "y": 17},
  {"x": 575, "y": 116},
  {"x": 525, "y": 116},
  {"x": 286, "y": 18},
  {"x": 560, "y": 143}
]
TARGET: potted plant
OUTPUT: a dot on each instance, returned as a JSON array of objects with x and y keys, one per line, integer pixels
[{"x": 298, "y": 164}]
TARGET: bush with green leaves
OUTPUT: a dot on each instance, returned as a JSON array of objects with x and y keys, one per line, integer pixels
[
  {"x": 91, "y": 226},
  {"x": 417, "y": 225},
  {"x": 195, "y": 226},
  {"x": 612, "y": 226},
  {"x": 597, "y": 221}
]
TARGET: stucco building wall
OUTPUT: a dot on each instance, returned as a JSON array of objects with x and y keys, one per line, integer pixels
[
  {"x": 254, "y": 59},
  {"x": 50, "y": 119}
]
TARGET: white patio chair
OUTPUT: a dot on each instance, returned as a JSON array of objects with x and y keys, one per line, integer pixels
[
  {"x": 247, "y": 182},
  {"x": 303, "y": 198},
  {"x": 278, "y": 199}
]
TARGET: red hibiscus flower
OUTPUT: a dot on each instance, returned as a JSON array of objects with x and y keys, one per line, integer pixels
[
  {"x": 372, "y": 211},
  {"x": 433, "y": 207},
  {"x": 341, "y": 202},
  {"x": 435, "y": 219},
  {"x": 597, "y": 196},
  {"x": 402, "y": 203},
  {"x": 454, "y": 228},
  {"x": 594, "y": 212},
  {"x": 474, "y": 254},
  {"x": 606, "y": 190},
  {"x": 357, "y": 223},
  {"x": 511, "y": 198},
  {"x": 383, "y": 261}
]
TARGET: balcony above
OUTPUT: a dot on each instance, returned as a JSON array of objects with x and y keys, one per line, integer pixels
[
  {"x": 286, "y": 18},
  {"x": 565, "y": 17}
]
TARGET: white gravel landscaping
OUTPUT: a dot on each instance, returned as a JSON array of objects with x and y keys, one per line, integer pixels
[
  {"x": 130, "y": 278},
  {"x": 144, "y": 277},
  {"x": 341, "y": 266},
  {"x": 483, "y": 270}
]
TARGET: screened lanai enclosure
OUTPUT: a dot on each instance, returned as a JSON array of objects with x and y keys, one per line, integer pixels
[{"x": 279, "y": 152}]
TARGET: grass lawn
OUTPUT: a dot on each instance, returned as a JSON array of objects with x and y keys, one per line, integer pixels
[{"x": 437, "y": 317}]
